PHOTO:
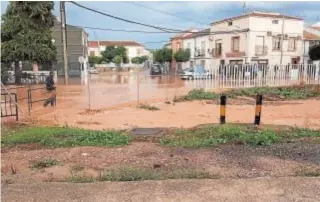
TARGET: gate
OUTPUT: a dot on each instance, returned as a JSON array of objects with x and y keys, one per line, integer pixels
[{"x": 8, "y": 107}]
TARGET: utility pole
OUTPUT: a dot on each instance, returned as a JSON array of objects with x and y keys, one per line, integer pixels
[
  {"x": 64, "y": 40},
  {"x": 282, "y": 37}
]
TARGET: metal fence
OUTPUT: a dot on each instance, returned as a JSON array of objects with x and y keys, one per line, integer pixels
[
  {"x": 9, "y": 106},
  {"x": 245, "y": 76}
]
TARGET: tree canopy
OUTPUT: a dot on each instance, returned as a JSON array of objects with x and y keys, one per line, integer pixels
[
  {"x": 139, "y": 60},
  {"x": 162, "y": 55},
  {"x": 26, "y": 32},
  {"x": 182, "y": 55},
  {"x": 111, "y": 52},
  {"x": 95, "y": 60},
  {"x": 314, "y": 52}
]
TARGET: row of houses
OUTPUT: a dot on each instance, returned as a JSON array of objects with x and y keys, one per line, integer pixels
[
  {"x": 79, "y": 48},
  {"x": 134, "y": 49},
  {"x": 251, "y": 38}
]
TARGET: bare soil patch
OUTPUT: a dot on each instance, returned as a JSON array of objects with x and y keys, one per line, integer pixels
[{"x": 225, "y": 161}]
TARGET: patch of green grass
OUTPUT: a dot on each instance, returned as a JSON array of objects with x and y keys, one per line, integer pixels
[
  {"x": 139, "y": 174},
  {"x": 214, "y": 135},
  {"x": 81, "y": 179},
  {"x": 44, "y": 163},
  {"x": 197, "y": 94},
  {"x": 298, "y": 132},
  {"x": 148, "y": 107},
  {"x": 65, "y": 137},
  {"x": 308, "y": 172},
  {"x": 290, "y": 92}
]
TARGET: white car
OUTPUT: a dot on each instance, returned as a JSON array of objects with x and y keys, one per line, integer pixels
[{"x": 93, "y": 71}]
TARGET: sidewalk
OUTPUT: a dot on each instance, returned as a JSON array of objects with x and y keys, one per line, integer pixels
[{"x": 240, "y": 190}]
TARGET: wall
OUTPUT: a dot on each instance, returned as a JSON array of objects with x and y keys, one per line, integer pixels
[
  {"x": 76, "y": 46},
  {"x": 258, "y": 26}
]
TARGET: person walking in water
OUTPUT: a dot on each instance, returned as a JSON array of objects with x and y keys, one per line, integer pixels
[{"x": 50, "y": 90}]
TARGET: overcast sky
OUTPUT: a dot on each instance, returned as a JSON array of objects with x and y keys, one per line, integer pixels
[{"x": 202, "y": 12}]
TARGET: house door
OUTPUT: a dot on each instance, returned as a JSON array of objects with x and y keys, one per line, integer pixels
[{"x": 259, "y": 45}]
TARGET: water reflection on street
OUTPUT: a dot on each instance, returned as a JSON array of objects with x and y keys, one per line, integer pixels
[{"x": 111, "y": 89}]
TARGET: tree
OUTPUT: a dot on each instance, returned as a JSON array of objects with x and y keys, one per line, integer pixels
[
  {"x": 162, "y": 55},
  {"x": 182, "y": 55},
  {"x": 95, "y": 60},
  {"x": 144, "y": 58},
  {"x": 111, "y": 52},
  {"x": 135, "y": 60},
  {"x": 117, "y": 59},
  {"x": 26, "y": 34},
  {"x": 139, "y": 60},
  {"x": 314, "y": 52}
]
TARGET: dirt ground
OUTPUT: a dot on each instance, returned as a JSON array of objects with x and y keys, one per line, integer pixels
[
  {"x": 241, "y": 190},
  {"x": 226, "y": 161},
  {"x": 302, "y": 113}
]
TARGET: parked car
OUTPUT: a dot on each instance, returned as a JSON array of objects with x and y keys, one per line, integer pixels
[
  {"x": 155, "y": 69},
  {"x": 197, "y": 72},
  {"x": 93, "y": 71}
]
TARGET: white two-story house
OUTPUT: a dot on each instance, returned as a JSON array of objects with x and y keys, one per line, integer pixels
[
  {"x": 199, "y": 46},
  {"x": 134, "y": 49},
  {"x": 257, "y": 37}
]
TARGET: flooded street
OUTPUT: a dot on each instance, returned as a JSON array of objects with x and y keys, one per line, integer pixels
[{"x": 113, "y": 99}]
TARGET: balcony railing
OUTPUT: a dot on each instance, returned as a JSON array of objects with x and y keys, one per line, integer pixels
[
  {"x": 199, "y": 53},
  {"x": 261, "y": 50},
  {"x": 216, "y": 52}
]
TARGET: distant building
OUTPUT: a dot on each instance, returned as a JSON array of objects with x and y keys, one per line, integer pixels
[
  {"x": 199, "y": 45},
  {"x": 177, "y": 43},
  {"x": 256, "y": 37},
  {"x": 77, "y": 46},
  {"x": 311, "y": 36},
  {"x": 134, "y": 49}
]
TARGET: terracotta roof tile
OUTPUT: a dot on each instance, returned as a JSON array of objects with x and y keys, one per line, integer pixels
[
  {"x": 310, "y": 36},
  {"x": 113, "y": 43},
  {"x": 317, "y": 28}
]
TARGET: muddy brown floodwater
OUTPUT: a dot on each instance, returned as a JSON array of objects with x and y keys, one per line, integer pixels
[{"x": 113, "y": 102}]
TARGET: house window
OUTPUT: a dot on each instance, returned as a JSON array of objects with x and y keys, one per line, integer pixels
[
  {"x": 235, "y": 44},
  {"x": 203, "y": 47},
  {"x": 178, "y": 45},
  {"x": 188, "y": 46},
  {"x": 92, "y": 53},
  {"x": 292, "y": 44},
  {"x": 276, "y": 43},
  {"x": 275, "y": 21},
  {"x": 218, "y": 50},
  {"x": 230, "y": 23},
  {"x": 138, "y": 51}
]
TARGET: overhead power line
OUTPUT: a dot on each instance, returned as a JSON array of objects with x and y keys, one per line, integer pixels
[
  {"x": 155, "y": 42},
  {"x": 165, "y": 30},
  {"x": 125, "y": 20},
  {"x": 167, "y": 13},
  {"x": 123, "y": 30}
]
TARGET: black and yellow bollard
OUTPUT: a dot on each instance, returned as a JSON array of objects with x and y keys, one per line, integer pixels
[
  {"x": 257, "y": 117},
  {"x": 223, "y": 103}
]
